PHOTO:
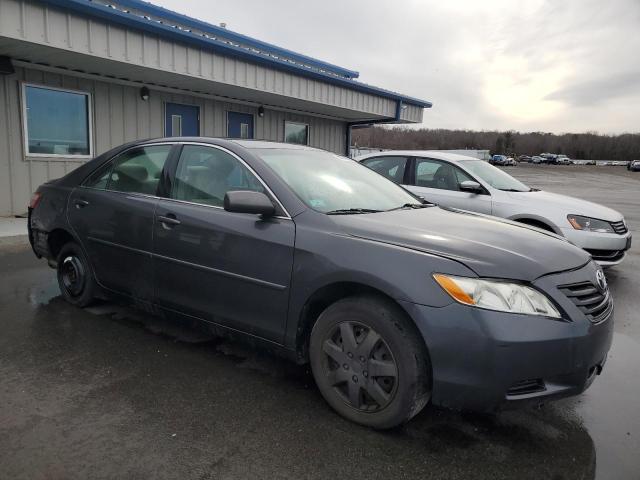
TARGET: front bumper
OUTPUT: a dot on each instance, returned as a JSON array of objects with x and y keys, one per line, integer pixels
[
  {"x": 608, "y": 249},
  {"x": 484, "y": 360}
]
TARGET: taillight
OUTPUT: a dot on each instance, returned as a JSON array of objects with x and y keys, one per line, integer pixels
[{"x": 35, "y": 199}]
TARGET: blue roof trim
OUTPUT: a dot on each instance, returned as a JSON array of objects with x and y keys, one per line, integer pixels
[
  {"x": 88, "y": 7},
  {"x": 230, "y": 35}
]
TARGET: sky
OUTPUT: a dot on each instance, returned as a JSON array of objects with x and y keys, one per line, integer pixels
[{"x": 532, "y": 65}]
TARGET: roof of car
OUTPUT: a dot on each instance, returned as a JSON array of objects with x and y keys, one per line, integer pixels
[
  {"x": 452, "y": 157},
  {"x": 264, "y": 144},
  {"x": 222, "y": 141}
]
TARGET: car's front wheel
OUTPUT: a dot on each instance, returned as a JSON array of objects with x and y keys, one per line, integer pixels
[
  {"x": 75, "y": 277},
  {"x": 369, "y": 362}
]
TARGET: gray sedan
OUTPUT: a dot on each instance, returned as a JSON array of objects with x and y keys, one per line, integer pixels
[{"x": 393, "y": 302}]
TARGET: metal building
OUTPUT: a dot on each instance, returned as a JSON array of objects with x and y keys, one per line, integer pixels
[{"x": 78, "y": 77}]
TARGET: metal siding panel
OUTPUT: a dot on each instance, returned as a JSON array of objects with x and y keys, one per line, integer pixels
[
  {"x": 193, "y": 61},
  {"x": 99, "y": 38},
  {"x": 20, "y": 172},
  {"x": 240, "y": 73},
  {"x": 11, "y": 18},
  {"x": 39, "y": 174},
  {"x": 130, "y": 115},
  {"x": 206, "y": 64},
  {"x": 6, "y": 154},
  {"x": 56, "y": 28},
  {"x": 34, "y": 22},
  {"x": 220, "y": 120},
  {"x": 218, "y": 67},
  {"x": 79, "y": 33},
  {"x": 56, "y": 170},
  {"x": 116, "y": 114},
  {"x": 117, "y": 42},
  {"x": 227, "y": 69},
  {"x": 151, "y": 51},
  {"x": 134, "y": 47},
  {"x": 166, "y": 55},
  {"x": 102, "y": 129},
  {"x": 52, "y": 79},
  {"x": 143, "y": 127},
  {"x": 156, "y": 115},
  {"x": 252, "y": 75},
  {"x": 179, "y": 58}
]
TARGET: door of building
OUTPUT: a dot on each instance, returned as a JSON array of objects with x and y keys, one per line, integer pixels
[
  {"x": 239, "y": 125},
  {"x": 181, "y": 120}
]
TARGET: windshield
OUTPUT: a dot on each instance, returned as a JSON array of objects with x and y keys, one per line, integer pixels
[
  {"x": 494, "y": 176},
  {"x": 330, "y": 183}
]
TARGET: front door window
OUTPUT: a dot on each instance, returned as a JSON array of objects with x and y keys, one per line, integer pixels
[{"x": 206, "y": 174}]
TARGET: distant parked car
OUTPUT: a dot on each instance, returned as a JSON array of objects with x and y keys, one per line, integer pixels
[
  {"x": 510, "y": 162},
  {"x": 563, "y": 160},
  {"x": 469, "y": 184},
  {"x": 549, "y": 158},
  {"x": 524, "y": 158},
  {"x": 634, "y": 166},
  {"x": 537, "y": 159},
  {"x": 498, "y": 159}
]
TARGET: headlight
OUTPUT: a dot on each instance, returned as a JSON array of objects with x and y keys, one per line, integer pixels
[
  {"x": 589, "y": 224},
  {"x": 496, "y": 295}
]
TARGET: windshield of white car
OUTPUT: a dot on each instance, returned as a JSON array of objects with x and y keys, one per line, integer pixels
[
  {"x": 495, "y": 177},
  {"x": 335, "y": 185}
]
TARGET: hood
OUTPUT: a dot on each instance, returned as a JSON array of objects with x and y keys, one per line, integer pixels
[
  {"x": 567, "y": 205},
  {"x": 490, "y": 246}
]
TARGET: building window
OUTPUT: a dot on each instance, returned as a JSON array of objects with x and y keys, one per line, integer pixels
[
  {"x": 296, "y": 133},
  {"x": 57, "y": 122}
]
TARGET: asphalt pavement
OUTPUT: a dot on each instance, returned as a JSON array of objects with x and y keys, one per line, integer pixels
[{"x": 109, "y": 392}]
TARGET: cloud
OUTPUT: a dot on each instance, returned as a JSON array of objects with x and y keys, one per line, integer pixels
[
  {"x": 598, "y": 91},
  {"x": 496, "y": 64}
]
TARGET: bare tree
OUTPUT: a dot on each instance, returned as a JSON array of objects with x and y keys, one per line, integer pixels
[{"x": 584, "y": 146}]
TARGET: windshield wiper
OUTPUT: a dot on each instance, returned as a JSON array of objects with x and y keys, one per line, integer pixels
[
  {"x": 351, "y": 211},
  {"x": 513, "y": 190},
  {"x": 412, "y": 205}
]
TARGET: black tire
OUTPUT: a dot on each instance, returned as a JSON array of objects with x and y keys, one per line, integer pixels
[
  {"x": 75, "y": 277},
  {"x": 383, "y": 400}
]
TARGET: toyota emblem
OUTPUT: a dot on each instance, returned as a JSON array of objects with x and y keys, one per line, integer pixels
[{"x": 601, "y": 281}]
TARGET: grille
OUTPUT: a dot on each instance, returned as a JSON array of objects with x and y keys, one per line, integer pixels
[
  {"x": 596, "y": 305},
  {"x": 619, "y": 227},
  {"x": 606, "y": 255},
  {"x": 525, "y": 387}
]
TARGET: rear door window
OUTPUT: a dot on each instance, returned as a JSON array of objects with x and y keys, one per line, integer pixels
[
  {"x": 391, "y": 167},
  {"x": 135, "y": 171}
]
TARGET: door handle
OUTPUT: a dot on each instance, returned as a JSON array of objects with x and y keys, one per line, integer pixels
[
  {"x": 81, "y": 203},
  {"x": 169, "y": 220}
]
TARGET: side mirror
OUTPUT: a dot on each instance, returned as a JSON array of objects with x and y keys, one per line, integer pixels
[
  {"x": 248, "y": 201},
  {"x": 471, "y": 186}
]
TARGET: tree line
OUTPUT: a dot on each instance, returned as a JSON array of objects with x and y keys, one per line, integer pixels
[{"x": 581, "y": 146}]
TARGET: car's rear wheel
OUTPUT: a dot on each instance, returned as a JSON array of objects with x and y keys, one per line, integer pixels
[
  {"x": 75, "y": 277},
  {"x": 369, "y": 362}
]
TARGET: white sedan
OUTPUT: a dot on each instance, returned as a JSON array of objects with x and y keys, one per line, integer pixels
[{"x": 467, "y": 183}]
